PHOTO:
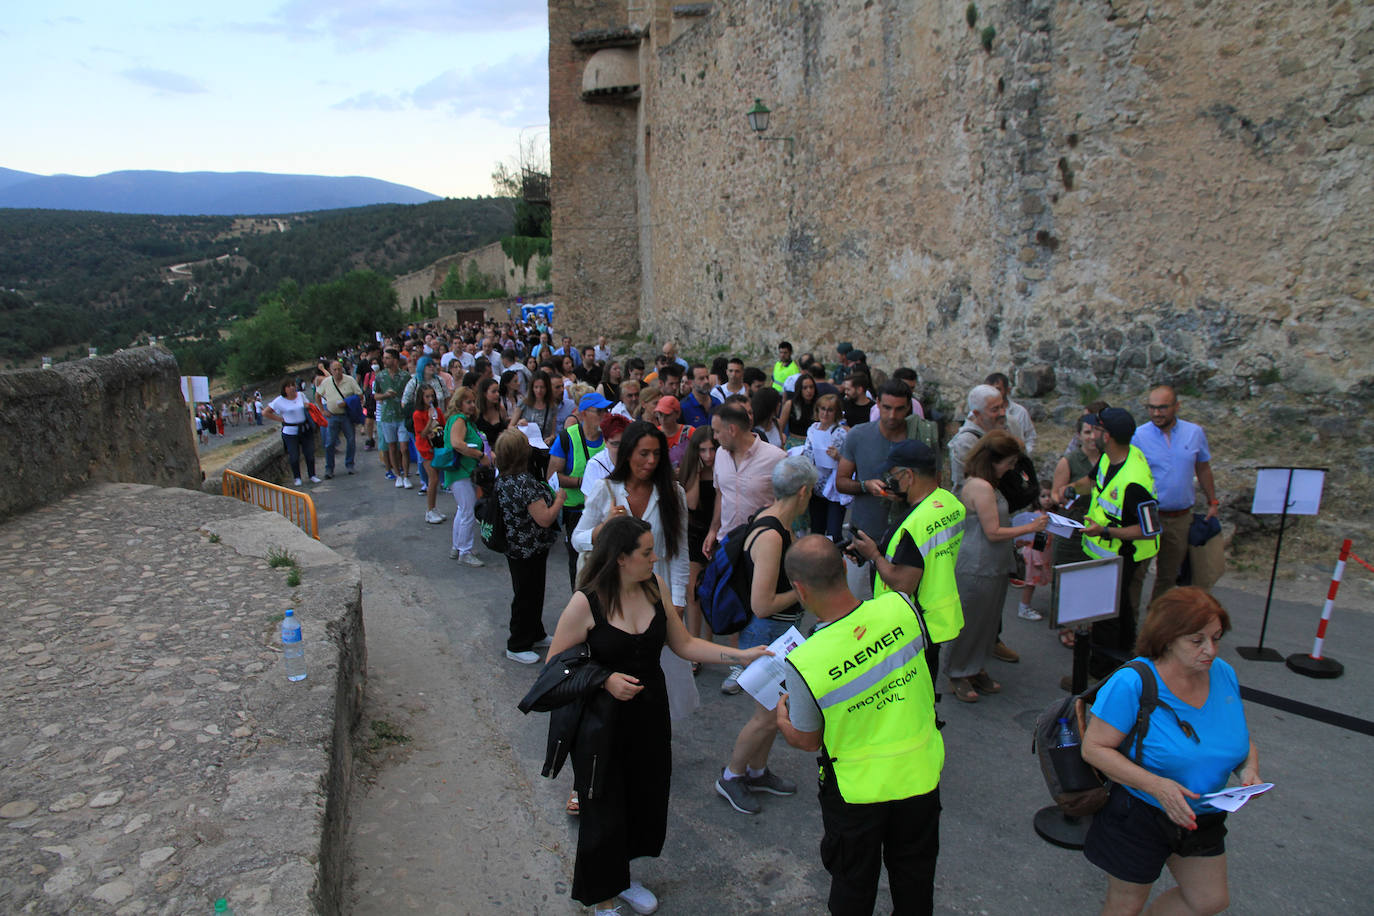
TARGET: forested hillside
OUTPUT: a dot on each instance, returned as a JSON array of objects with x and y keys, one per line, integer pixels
[{"x": 68, "y": 279}]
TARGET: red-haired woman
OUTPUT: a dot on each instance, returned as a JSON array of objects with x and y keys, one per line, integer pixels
[{"x": 1156, "y": 815}]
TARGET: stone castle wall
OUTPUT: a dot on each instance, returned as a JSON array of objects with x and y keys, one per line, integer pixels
[
  {"x": 116, "y": 419},
  {"x": 491, "y": 260},
  {"x": 1124, "y": 190}
]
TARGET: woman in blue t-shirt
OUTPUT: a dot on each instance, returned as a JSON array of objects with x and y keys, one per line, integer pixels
[{"x": 1197, "y": 737}]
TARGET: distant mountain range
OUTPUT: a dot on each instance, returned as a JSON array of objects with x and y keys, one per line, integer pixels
[{"x": 199, "y": 193}]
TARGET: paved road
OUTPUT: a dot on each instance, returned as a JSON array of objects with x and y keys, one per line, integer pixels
[{"x": 461, "y": 819}]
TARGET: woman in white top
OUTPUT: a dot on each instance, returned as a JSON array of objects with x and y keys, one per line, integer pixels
[
  {"x": 297, "y": 431},
  {"x": 642, "y": 485},
  {"x": 824, "y": 440}
]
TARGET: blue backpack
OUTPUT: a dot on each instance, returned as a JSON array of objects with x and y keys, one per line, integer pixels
[{"x": 726, "y": 581}]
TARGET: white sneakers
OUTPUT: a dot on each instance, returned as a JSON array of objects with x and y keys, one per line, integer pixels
[
  {"x": 401, "y": 481},
  {"x": 1026, "y": 612},
  {"x": 434, "y": 517},
  {"x": 640, "y": 898},
  {"x": 314, "y": 479},
  {"x": 529, "y": 657},
  {"x": 468, "y": 559},
  {"x": 296, "y": 482},
  {"x": 730, "y": 686},
  {"x": 405, "y": 482}
]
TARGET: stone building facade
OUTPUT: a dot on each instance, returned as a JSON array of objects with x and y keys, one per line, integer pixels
[{"x": 1124, "y": 190}]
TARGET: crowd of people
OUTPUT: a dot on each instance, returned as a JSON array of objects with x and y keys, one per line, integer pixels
[{"x": 848, "y": 501}]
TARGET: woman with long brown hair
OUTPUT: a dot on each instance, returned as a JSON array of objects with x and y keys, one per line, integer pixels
[
  {"x": 623, "y": 773},
  {"x": 696, "y": 474}
]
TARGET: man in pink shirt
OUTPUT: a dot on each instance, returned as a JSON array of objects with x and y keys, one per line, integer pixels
[
  {"x": 743, "y": 472},
  {"x": 744, "y": 485}
]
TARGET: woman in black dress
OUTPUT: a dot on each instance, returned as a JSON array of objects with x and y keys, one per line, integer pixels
[
  {"x": 618, "y": 611},
  {"x": 491, "y": 418},
  {"x": 697, "y": 476}
]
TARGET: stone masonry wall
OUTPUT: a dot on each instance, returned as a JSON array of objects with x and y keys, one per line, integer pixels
[
  {"x": 592, "y": 148},
  {"x": 118, "y": 418},
  {"x": 491, "y": 260},
  {"x": 1124, "y": 190}
]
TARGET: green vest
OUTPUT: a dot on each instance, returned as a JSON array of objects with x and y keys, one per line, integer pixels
[
  {"x": 936, "y": 526},
  {"x": 1107, "y": 502},
  {"x": 868, "y": 674},
  {"x": 782, "y": 372},
  {"x": 576, "y": 463}
]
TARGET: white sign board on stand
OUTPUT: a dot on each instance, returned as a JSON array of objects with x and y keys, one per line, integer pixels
[
  {"x": 195, "y": 389},
  {"x": 1085, "y": 592},
  {"x": 1301, "y": 486}
]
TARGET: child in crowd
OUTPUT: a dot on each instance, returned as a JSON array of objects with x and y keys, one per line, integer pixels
[{"x": 1039, "y": 563}]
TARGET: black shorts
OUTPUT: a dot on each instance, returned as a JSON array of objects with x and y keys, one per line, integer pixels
[{"x": 1131, "y": 839}]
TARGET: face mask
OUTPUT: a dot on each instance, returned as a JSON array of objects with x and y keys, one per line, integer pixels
[
  {"x": 891, "y": 484},
  {"x": 376, "y": 368}
]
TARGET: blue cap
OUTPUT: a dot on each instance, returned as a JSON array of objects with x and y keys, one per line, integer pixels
[{"x": 592, "y": 399}]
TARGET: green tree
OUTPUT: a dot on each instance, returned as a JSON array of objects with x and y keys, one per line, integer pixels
[
  {"x": 264, "y": 345},
  {"x": 348, "y": 310},
  {"x": 477, "y": 285}
]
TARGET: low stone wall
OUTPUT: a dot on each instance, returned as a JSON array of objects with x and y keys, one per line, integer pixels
[
  {"x": 118, "y": 418},
  {"x": 266, "y": 460}
]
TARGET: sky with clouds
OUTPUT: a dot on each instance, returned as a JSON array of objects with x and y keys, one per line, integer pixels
[{"x": 427, "y": 93}]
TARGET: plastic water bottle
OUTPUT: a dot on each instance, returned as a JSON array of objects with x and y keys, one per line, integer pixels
[
  {"x": 292, "y": 647},
  {"x": 222, "y": 908},
  {"x": 1064, "y": 735}
]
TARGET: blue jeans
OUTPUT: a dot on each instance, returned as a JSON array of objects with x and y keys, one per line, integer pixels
[
  {"x": 339, "y": 423},
  {"x": 302, "y": 444},
  {"x": 762, "y": 630}
]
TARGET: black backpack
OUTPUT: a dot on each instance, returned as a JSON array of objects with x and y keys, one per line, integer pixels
[
  {"x": 1020, "y": 486},
  {"x": 1076, "y": 787},
  {"x": 492, "y": 523}
]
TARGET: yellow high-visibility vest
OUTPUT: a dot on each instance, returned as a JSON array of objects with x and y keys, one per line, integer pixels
[
  {"x": 1108, "y": 500},
  {"x": 868, "y": 674},
  {"x": 936, "y": 527}
]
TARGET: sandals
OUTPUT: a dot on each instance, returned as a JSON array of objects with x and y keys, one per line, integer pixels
[
  {"x": 1066, "y": 638},
  {"x": 985, "y": 683},
  {"x": 574, "y": 806},
  {"x": 963, "y": 690}
]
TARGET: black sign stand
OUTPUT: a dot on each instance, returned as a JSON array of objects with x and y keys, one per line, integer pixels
[{"x": 1259, "y": 653}]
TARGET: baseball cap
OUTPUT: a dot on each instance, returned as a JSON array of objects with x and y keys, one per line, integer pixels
[
  {"x": 1118, "y": 423},
  {"x": 843, "y": 347},
  {"x": 1089, "y": 418},
  {"x": 667, "y": 404},
  {"x": 857, "y": 356},
  {"x": 592, "y": 399},
  {"x": 910, "y": 453}
]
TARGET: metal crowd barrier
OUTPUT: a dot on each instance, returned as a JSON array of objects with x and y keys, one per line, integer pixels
[{"x": 298, "y": 507}]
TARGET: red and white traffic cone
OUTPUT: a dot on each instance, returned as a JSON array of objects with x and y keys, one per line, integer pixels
[{"x": 1316, "y": 664}]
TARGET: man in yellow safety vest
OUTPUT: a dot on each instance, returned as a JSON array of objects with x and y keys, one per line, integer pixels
[
  {"x": 921, "y": 549},
  {"x": 859, "y": 692},
  {"x": 1113, "y": 528}
]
